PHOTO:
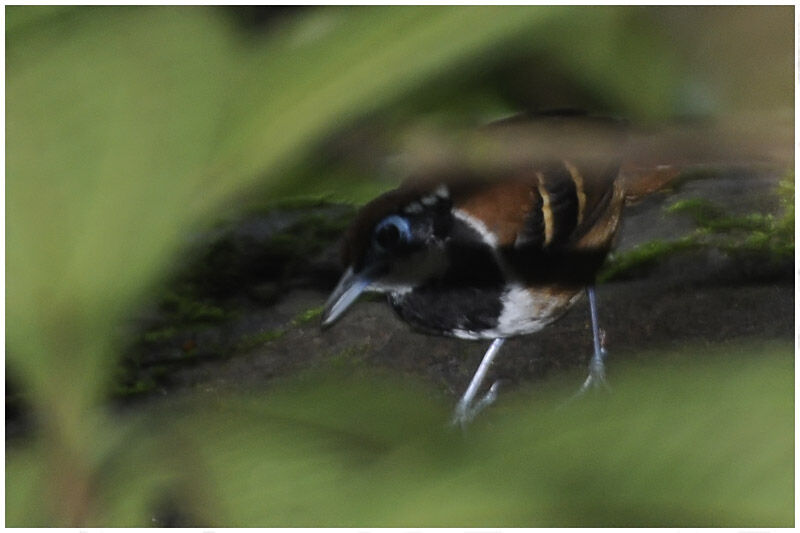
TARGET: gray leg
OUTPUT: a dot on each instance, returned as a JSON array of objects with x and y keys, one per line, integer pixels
[
  {"x": 597, "y": 370},
  {"x": 465, "y": 411}
]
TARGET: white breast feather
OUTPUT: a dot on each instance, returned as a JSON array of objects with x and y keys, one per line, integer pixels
[{"x": 523, "y": 313}]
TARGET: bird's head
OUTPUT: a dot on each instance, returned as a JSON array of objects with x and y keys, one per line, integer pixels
[{"x": 395, "y": 244}]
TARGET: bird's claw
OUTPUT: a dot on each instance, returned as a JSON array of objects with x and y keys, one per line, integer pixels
[
  {"x": 465, "y": 413},
  {"x": 597, "y": 374}
]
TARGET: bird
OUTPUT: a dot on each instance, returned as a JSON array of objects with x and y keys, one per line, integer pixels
[{"x": 493, "y": 253}]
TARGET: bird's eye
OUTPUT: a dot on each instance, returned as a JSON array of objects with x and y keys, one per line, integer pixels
[{"x": 391, "y": 231}]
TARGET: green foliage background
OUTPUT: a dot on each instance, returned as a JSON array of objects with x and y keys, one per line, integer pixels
[{"x": 127, "y": 127}]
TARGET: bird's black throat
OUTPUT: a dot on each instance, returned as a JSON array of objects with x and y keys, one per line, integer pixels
[{"x": 466, "y": 297}]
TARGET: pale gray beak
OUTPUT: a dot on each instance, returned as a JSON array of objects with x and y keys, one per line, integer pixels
[{"x": 346, "y": 292}]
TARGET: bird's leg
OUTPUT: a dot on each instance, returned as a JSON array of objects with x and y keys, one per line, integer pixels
[
  {"x": 465, "y": 410},
  {"x": 597, "y": 370}
]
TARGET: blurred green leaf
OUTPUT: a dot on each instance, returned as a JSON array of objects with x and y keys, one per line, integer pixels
[
  {"x": 26, "y": 500},
  {"x": 337, "y": 64},
  {"x": 20, "y": 18},
  {"x": 108, "y": 132},
  {"x": 680, "y": 442}
]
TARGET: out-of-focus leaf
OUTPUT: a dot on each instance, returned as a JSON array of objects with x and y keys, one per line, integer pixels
[
  {"x": 679, "y": 442},
  {"x": 335, "y": 64},
  {"x": 25, "y": 487},
  {"x": 110, "y": 122},
  {"x": 737, "y": 60},
  {"x": 21, "y": 17}
]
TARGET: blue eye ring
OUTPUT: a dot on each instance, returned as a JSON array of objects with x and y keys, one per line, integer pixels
[{"x": 390, "y": 232}]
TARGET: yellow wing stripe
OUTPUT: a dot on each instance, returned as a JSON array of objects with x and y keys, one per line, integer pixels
[
  {"x": 547, "y": 211},
  {"x": 579, "y": 189}
]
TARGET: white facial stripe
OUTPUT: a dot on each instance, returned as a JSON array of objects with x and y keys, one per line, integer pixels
[
  {"x": 478, "y": 225},
  {"x": 429, "y": 200},
  {"x": 413, "y": 208}
]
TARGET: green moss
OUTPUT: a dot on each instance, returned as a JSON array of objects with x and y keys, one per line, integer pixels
[
  {"x": 133, "y": 382},
  {"x": 184, "y": 308},
  {"x": 701, "y": 210},
  {"x": 140, "y": 386},
  {"x": 640, "y": 258},
  {"x": 307, "y": 315},
  {"x": 350, "y": 357},
  {"x": 252, "y": 341},
  {"x": 160, "y": 335},
  {"x": 317, "y": 229},
  {"x": 784, "y": 227},
  {"x": 766, "y": 236},
  {"x": 299, "y": 202}
]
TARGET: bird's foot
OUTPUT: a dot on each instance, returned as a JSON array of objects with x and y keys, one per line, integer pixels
[
  {"x": 466, "y": 413},
  {"x": 597, "y": 374}
]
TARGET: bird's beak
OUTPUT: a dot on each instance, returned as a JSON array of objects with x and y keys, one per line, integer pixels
[{"x": 343, "y": 296}]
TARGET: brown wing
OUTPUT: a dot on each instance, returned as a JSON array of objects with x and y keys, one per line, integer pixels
[
  {"x": 561, "y": 204},
  {"x": 555, "y": 216},
  {"x": 562, "y": 189}
]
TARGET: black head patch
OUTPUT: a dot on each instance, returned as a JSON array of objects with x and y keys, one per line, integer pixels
[{"x": 399, "y": 220}]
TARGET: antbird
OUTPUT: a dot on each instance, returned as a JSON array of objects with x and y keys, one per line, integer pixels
[{"x": 493, "y": 253}]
